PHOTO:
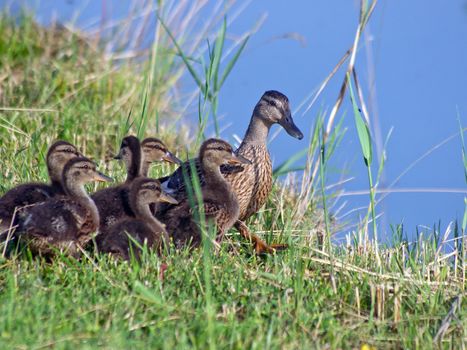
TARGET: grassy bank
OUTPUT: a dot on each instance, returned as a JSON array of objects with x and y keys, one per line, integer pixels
[{"x": 54, "y": 84}]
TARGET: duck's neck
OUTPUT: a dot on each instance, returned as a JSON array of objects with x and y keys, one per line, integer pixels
[
  {"x": 257, "y": 131},
  {"x": 77, "y": 191},
  {"x": 55, "y": 178},
  {"x": 143, "y": 212},
  {"x": 214, "y": 178},
  {"x": 145, "y": 169},
  {"x": 134, "y": 168}
]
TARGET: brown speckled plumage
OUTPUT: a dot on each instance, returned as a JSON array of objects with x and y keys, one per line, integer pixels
[
  {"x": 142, "y": 228},
  {"x": 66, "y": 222},
  {"x": 220, "y": 206},
  {"x": 252, "y": 184}
]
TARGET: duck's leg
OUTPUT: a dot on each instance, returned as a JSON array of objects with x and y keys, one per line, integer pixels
[{"x": 261, "y": 247}]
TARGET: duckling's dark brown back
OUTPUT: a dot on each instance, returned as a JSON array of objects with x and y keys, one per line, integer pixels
[
  {"x": 119, "y": 239},
  {"x": 113, "y": 205},
  {"x": 57, "y": 224}
]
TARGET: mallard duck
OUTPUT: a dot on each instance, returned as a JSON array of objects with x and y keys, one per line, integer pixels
[
  {"x": 252, "y": 183},
  {"x": 64, "y": 223},
  {"x": 220, "y": 205},
  {"x": 26, "y": 194},
  {"x": 154, "y": 150},
  {"x": 143, "y": 227},
  {"x": 113, "y": 202}
]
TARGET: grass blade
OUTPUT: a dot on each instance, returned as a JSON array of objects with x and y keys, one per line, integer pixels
[{"x": 232, "y": 62}]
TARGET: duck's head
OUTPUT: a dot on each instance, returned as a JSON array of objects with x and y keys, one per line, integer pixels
[
  {"x": 57, "y": 156},
  {"x": 130, "y": 151},
  {"x": 81, "y": 170},
  {"x": 154, "y": 150},
  {"x": 146, "y": 191},
  {"x": 273, "y": 107},
  {"x": 219, "y": 152}
]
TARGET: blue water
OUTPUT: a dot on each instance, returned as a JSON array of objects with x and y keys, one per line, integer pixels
[{"x": 419, "y": 57}]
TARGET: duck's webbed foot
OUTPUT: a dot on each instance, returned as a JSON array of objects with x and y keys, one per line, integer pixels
[{"x": 261, "y": 247}]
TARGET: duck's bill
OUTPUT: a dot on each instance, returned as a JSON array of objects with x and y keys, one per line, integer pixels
[
  {"x": 169, "y": 157},
  {"x": 102, "y": 178},
  {"x": 292, "y": 129},
  {"x": 238, "y": 159},
  {"x": 168, "y": 199}
]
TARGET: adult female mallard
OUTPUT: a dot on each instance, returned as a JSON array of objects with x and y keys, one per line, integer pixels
[{"x": 252, "y": 183}]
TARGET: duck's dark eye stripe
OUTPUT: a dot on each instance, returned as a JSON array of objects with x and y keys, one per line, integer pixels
[{"x": 155, "y": 146}]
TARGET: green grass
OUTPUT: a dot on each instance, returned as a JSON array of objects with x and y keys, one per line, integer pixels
[{"x": 55, "y": 85}]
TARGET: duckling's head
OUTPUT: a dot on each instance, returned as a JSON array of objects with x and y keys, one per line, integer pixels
[
  {"x": 273, "y": 107},
  {"x": 218, "y": 152},
  {"x": 57, "y": 156},
  {"x": 130, "y": 151},
  {"x": 81, "y": 170},
  {"x": 146, "y": 191},
  {"x": 154, "y": 150}
]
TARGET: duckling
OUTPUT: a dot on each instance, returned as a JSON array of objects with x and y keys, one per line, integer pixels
[
  {"x": 113, "y": 202},
  {"x": 143, "y": 227},
  {"x": 252, "y": 183},
  {"x": 64, "y": 223},
  {"x": 31, "y": 193},
  {"x": 154, "y": 150},
  {"x": 220, "y": 202}
]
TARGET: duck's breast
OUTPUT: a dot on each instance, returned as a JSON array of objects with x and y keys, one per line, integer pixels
[{"x": 253, "y": 185}]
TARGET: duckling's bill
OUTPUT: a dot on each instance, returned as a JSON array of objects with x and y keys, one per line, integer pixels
[
  {"x": 171, "y": 158},
  {"x": 168, "y": 199},
  {"x": 238, "y": 159},
  {"x": 102, "y": 178}
]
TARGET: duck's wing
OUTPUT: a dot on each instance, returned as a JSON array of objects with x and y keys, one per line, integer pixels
[
  {"x": 176, "y": 182},
  {"x": 113, "y": 205},
  {"x": 24, "y": 195},
  {"x": 211, "y": 209}
]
